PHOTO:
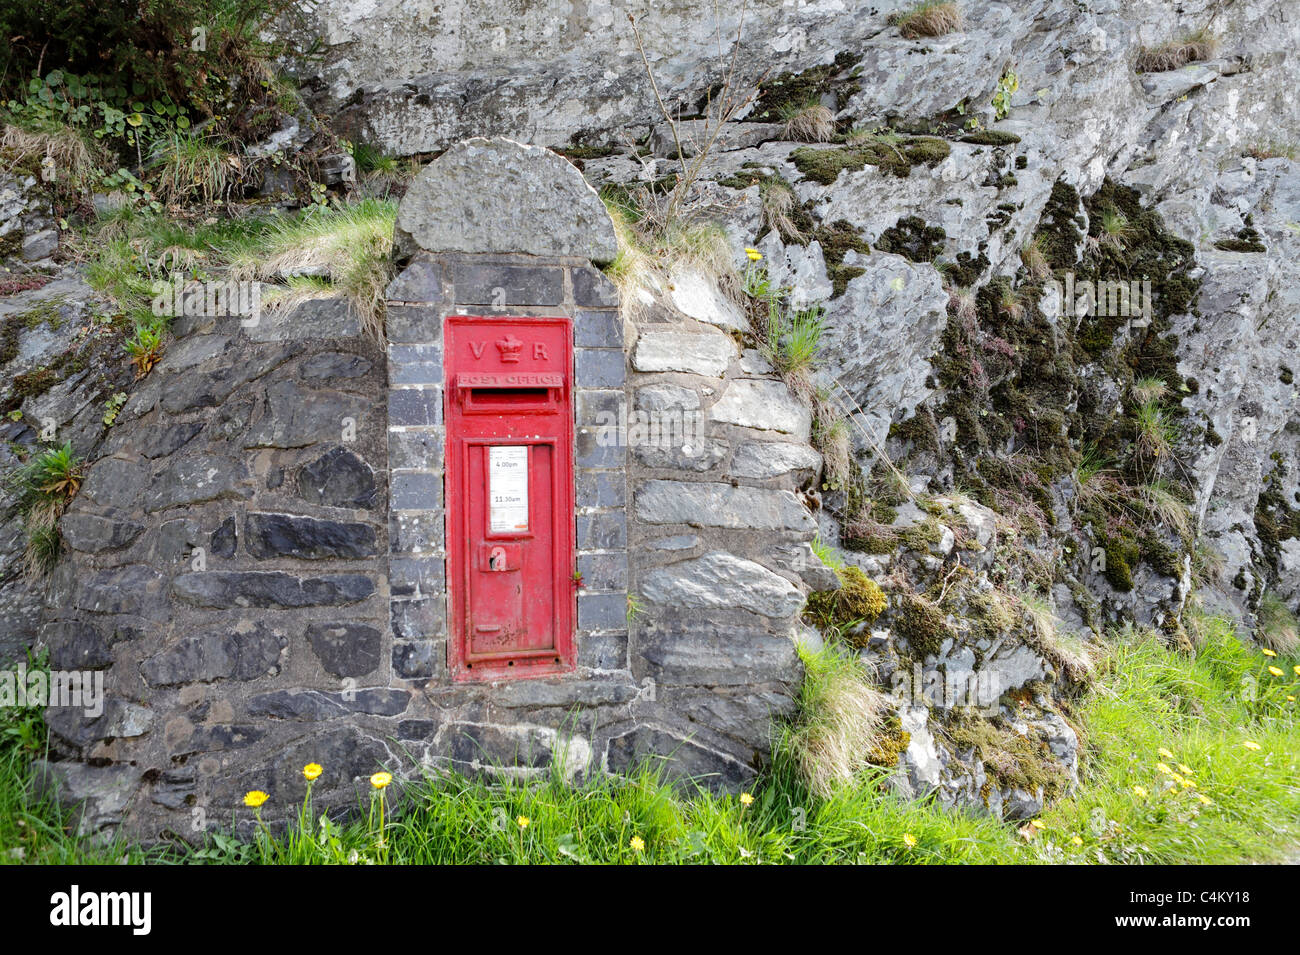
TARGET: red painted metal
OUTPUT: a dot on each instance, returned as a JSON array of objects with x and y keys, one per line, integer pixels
[{"x": 510, "y": 536}]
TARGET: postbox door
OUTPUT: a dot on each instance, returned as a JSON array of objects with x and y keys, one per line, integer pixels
[{"x": 509, "y": 496}]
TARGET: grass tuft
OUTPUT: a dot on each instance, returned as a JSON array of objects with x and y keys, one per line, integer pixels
[
  {"x": 809, "y": 122},
  {"x": 928, "y": 18},
  {"x": 1175, "y": 54},
  {"x": 840, "y": 717}
]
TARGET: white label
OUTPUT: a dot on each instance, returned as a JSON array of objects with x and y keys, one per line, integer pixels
[{"x": 508, "y": 488}]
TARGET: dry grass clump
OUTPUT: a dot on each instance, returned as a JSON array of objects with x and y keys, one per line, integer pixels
[
  {"x": 1177, "y": 53},
  {"x": 1065, "y": 651},
  {"x": 1278, "y": 628},
  {"x": 349, "y": 247},
  {"x": 73, "y": 160},
  {"x": 840, "y": 721},
  {"x": 1034, "y": 261},
  {"x": 809, "y": 122},
  {"x": 928, "y": 18},
  {"x": 778, "y": 203}
]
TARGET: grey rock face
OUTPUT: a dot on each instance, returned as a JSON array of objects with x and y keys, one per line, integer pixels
[
  {"x": 338, "y": 479},
  {"x": 764, "y": 404},
  {"x": 671, "y": 349},
  {"x": 720, "y": 505},
  {"x": 220, "y": 589},
  {"x": 284, "y": 535},
  {"x": 719, "y": 581},
  {"x": 883, "y": 362},
  {"x": 760, "y": 460},
  {"x": 346, "y": 649},
  {"x": 496, "y": 195},
  {"x": 247, "y": 652}
]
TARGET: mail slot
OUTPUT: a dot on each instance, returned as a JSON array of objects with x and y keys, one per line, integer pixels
[{"x": 509, "y": 496}]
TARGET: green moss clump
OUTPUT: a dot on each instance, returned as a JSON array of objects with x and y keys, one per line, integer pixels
[
  {"x": 859, "y": 599},
  {"x": 911, "y": 238},
  {"x": 892, "y": 154},
  {"x": 790, "y": 91},
  {"x": 922, "y": 625},
  {"x": 1012, "y": 760},
  {"x": 920, "y": 537},
  {"x": 1121, "y": 555},
  {"x": 919, "y": 430},
  {"x": 1060, "y": 229},
  {"x": 587, "y": 152},
  {"x": 34, "y": 383},
  {"x": 966, "y": 271},
  {"x": 1275, "y": 520},
  {"x": 1246, "y": 239},
  {"x": 890, "y": 744},
  {"x": 1164, "y": 559},
  {"x": 990, "y": 137},
  {"x": 869, "y": 543},
  {"x": 836, "y": 240}
]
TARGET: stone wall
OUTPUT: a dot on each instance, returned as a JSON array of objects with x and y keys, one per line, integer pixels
[{"x": 256, "y": 562}]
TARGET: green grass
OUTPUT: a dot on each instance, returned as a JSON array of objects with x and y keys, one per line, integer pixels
[
  {"x": 345, "y": 249},
  {"x": 42, "y": 487},
  {"x": 1202, "y": 711},
  {"x": 187, "y": 166}
]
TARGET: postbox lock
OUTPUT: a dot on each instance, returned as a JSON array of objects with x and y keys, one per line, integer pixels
[{"x": 497, "y": 559}]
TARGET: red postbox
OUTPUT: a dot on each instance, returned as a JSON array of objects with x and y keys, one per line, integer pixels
[{"x": 509, "y": 496}]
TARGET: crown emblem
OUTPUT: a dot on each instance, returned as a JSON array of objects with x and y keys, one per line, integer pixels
[{"x": 510, "y": 348}]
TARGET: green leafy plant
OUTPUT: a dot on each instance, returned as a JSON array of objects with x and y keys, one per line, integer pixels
[
  {"x": 145, "y": 346},
  {"x": 43, "y": 487},
  {"x": 113, "y": 407},
  {"x": 1008, "y": 84}
]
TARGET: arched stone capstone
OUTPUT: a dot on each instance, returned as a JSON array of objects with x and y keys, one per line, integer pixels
[{"x": 499, "y": 196}]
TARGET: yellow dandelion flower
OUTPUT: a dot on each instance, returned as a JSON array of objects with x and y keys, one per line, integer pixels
[
  {"x": 1269, "y": 653},
  {"x": 1276, "y": 671},
  {"x": 1251, "y": 745},
  {"x": 754, "y": 254},
  {"x": 1183, "y": 767},
  {"x": 1165, "y": 753},
  {"x": 1176, "y": 778},
  {"x": 637, "y": 844},
  {"x": 1038, "y": 824},
  {"x": 1187, "y": 783},
  {"x": 1205, "y": 799},
  {"x": 1076, "y": 840},
  {"x": 523, "y": 822},
  {"x": 380, "y": 780},
  {"x": 312, "y": 771},
  {"x": 255, "y": 798},
  {"x": 1164, "y": 769},
  {"x": 1290, "y": 699},
  {"x": 1296, "y": 669},
  {"x": 746, "y": 799},
  {"x": 1140, "y": 792},
  {"x": 909, "y": 840}
]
